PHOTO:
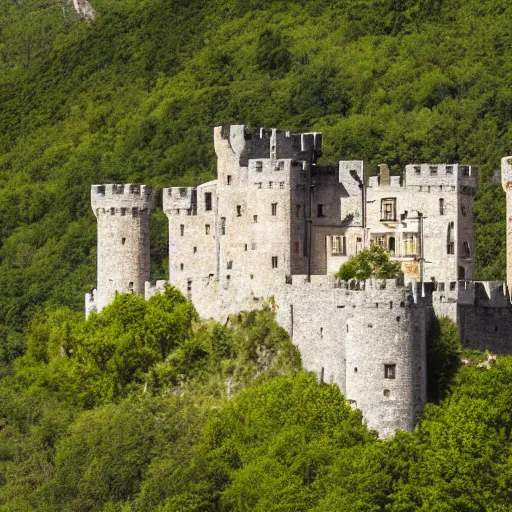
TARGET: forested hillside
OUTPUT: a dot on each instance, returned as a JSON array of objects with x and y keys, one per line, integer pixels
[
  {"x": 133, "y": 97},
  {"x": 145, "y": 406}
]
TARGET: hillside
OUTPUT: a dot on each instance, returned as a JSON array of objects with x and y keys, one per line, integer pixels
[
  {"x": 133, "y": 97},
  {"x": 147, "y": 407}
]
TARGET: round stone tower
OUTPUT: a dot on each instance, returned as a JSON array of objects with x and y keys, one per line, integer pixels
[
  {"x": 385, "y": 354},
  {"x": 123, "y": 213},
  {"x": 506, "y": 181}
]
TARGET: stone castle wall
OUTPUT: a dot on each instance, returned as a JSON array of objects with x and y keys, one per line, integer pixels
[{"x": 276, "y": 224}]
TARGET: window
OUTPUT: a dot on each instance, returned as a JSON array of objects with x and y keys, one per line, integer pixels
[
  {"x": 123, "y": 212},
  {"x": 450, "y": 243},
  {"x": 238, "y": 210},
  {"x": 183, "y": 192},
  {"x": 387, "y": 393},
  {"x": 281, "y": 184},
  {"x": 112, "y": 211},
  {"x": 390, "y": 371},
  {"x": 123, "y": 241},
  {"x": 320, "y": 210},
  {"x": 189, "y": 285},
  {"x": 195, "y": 250},
  {"x": 118, "y": 189},
  {"x": 440, "y": 287},
  {"x": 466, "y": 253},
  {"x": 270, "y": 183},
  {"x": 441, "y": 206},
  {"x": 229, "y": 179},
  {"x": 274, "y": 261},
  {"x": 379, "y": 240},
  {"x": 417, "y": 169},
  {"x": 182, "y": 266},
  {"x": 101, "y": 190},
  {"x": 388, "y": 209},
  {"x": 208, "y": 201},
  {"x": 229, "y": 264},
  {"x": 135, "y": 189},
  {"x": 433, "y": 169},
  {"x": 410, "y": 244},
  {"x": 453, "y": 285},
  {"x": 463, "y": 210},
  {"x": 253, "y": 246},
  {"x": 245, "y": 247},
  {"x": 135, "y": 212},
  {"x": 182, "y": 229},
  {"x": 223, "y": 225},
  {"x": 359, "y": 245},
  {"x": 259, "y": 166},
  {"x": 274, "y": 209},
  {"x": 260, "y": 184},
  {"x": 207, "y": 228},
  {"x": 255, "y": 218},
  {"x": 465, "y": 170},
  {"x": 449, "y": 169},
  {"x": 297, "y": 247},
  {"x": 298, "y": 210},
  {"x": 130, "y": 286},
  {"x": 339, "y": 245},
  {"x": 280, "y": 165}
]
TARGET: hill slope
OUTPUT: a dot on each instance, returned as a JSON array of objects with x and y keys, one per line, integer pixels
[{"x": 133, "y": 97}]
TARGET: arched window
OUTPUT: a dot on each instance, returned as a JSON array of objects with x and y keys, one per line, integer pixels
[{"x": 450, "y": 245}]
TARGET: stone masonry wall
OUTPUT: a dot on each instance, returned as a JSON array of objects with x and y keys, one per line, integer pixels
[{"x": 122, "y": 212}]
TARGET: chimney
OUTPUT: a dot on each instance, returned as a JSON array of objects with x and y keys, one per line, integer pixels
[{"x": 384, "y": 175}]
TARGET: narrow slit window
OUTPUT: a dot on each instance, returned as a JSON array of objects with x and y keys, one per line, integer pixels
[
  {"x": 207, "y": 201},
  {"x": 441, "y": 206},
  {"x": 229, "y": 179},
  {"x": 182, "y": 229},
  {"x": 450, "y": 245},
  {"x": 274, "y": 209},
  {"x": 320, "y": 210},
  {"x": 238, "y": 210},
  {"x": 123, "y": 241},
  {"x": 223, "y": 225},
  {"x": 274, "y": 261},
  {"x": 207, "y": 229},
  {"x": 135, "y": 212},
  {"x": 390, "y": 371},
  {"x": 259, "y": 166}
]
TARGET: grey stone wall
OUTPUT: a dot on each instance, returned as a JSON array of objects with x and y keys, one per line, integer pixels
[{"x": 122, "y": 213}]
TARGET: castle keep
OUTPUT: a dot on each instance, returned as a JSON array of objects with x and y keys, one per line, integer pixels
[{"x": 276, "y": 224}]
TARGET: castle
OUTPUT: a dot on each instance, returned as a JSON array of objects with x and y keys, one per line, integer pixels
[{"x": 276, "y": 224}]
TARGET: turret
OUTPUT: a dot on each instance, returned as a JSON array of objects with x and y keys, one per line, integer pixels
[
  {"x": 122, "y": 212},
  {"x": 506, "y": 181}
]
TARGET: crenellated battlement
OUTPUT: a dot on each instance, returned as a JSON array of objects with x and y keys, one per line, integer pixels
[
  {"x": 246, "y": 144},
  {"x": 121, "y": 199},
  {"x": 180, "y": 200}
]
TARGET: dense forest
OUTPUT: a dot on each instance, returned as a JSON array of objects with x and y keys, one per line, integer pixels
[{"x": 147, "y": 407}]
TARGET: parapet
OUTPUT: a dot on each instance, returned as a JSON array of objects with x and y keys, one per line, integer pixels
[
  {"x": 440, "y": 175},
  {"x": 180, "y": 199},
  {"x": 248, "y": 144},
  {"x": 117, "y": 198}
]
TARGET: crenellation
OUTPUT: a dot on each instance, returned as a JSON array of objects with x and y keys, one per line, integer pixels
[{"x": 275, "y": 224}]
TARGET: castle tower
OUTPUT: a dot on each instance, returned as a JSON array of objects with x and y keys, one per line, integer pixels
[
  {"x": 506, "y": 181},
  {"x": 122, "y": 212},
  {"x": 385, "y": 355}
]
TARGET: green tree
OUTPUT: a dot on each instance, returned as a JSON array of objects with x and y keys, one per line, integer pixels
[{"x": 371, "y": 263}]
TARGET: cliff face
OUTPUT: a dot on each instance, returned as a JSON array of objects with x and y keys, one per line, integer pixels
[{"x": 84, "y": 9}]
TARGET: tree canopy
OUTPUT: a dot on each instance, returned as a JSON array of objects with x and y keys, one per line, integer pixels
[{"x": 370, "y": 263}]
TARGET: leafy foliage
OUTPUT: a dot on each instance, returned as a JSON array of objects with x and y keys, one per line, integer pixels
[{"x": 370, "y": 263}]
